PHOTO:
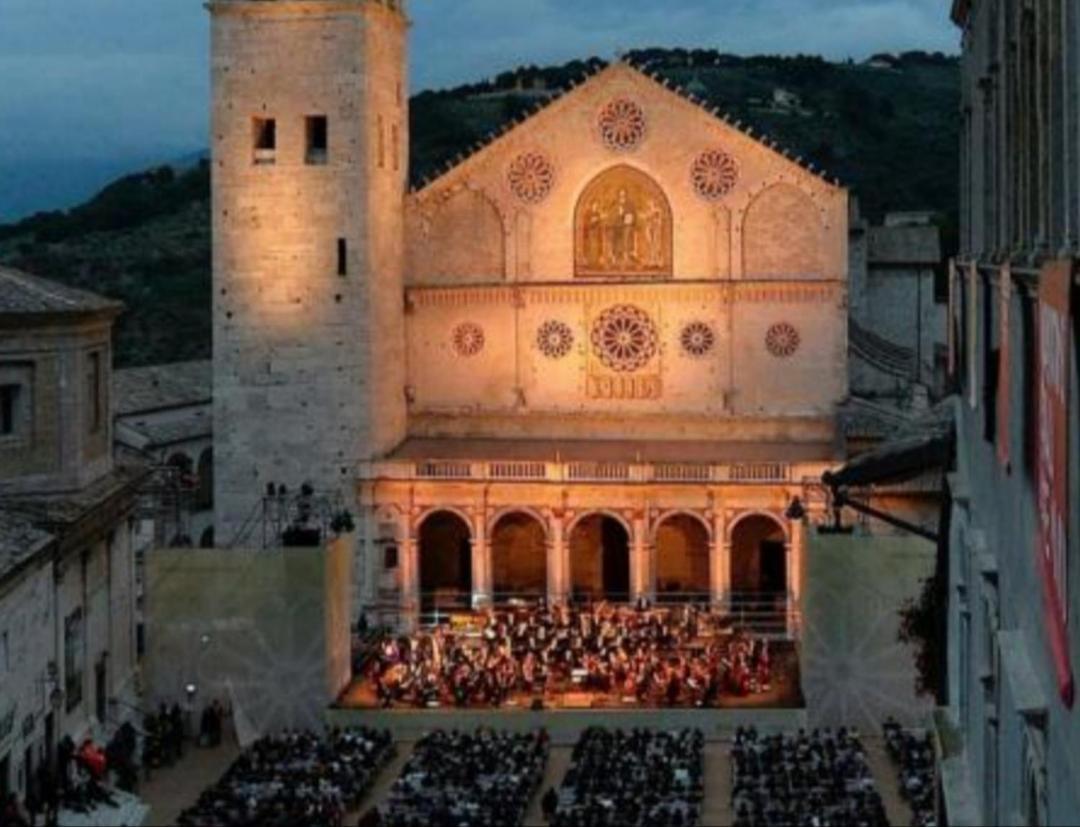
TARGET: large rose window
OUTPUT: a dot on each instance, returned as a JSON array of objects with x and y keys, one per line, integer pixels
[{"x": 624, "y": 338}]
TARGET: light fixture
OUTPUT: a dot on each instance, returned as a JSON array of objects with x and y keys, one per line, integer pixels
[{"x": 795, "y": 510}]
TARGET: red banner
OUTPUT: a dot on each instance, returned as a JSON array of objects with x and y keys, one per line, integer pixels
[
  {"x": 1004, "y": 386},
  {"x": 1052, "y": 476}
]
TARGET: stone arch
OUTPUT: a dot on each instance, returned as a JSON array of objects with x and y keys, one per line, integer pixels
[
  {"x": 518, "y": 554},
  {"x": 444, "y": 539},
  {"x": 457, "y": 237},
  {"x": 759, "y": 543},
  {"x": 599, "y": 544},
  {"x": 182, "y": 462},
  {"x": 518, "y": 509},
  {"x": 623, "y": 226},
  {"x": 681, "y": 543},
  {"x": 783, "y": 235},
  {"x": 675, "y": 512}
]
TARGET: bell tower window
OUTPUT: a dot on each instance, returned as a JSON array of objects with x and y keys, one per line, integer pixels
[
  {"x": 264, "y": 137},
  {"x": 317, "y": 131}
]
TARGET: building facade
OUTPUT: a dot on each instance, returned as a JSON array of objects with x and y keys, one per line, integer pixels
[
  {"x": 598, "y": 357},
  {"x": 1011, "y": 731},
  {"x": 67, "y": 613}
]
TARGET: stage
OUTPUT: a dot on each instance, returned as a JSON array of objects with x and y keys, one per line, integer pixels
[{"x": 565, "y": 711}]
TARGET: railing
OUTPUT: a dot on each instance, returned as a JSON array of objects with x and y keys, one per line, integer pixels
[
  {"x": 690, "y": 473},
  {"x": 773, "y": 615}
]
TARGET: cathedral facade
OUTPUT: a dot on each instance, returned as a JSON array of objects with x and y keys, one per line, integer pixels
[{"x": 600, "y": 357}]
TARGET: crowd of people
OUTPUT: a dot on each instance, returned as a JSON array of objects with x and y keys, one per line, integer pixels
[
  {"x": 295, "y": 778},
  {"x": 638, "y": 778},
  {"x": 685, "y": 656},
  {"x": 485, "y": 779},
  {"x": 913, "y": 753},
  {"x": 803, "y": 780}
]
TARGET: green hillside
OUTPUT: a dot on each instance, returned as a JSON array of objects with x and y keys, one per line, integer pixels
[{"x": 889, "y": 131}]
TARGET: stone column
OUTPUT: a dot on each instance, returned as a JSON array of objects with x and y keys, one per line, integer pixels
[
  {"x": 641, "y": 580},
  {"x": 719, "y": 559},
  {"x": 481, "y": 563},
  {"x": 409, "y": 581},
  {"x": 795, "y": 558},
  {"x": 558, "y": 560}
]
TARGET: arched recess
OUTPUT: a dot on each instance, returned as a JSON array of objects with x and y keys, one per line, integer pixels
[
  {"x": 204, "y": 493},
  {"x": 444, "y": 552},
  {"x": 682, "y": 558},
  {"x": 518, "y": 556},
  {"x": 623, "y": 227},
  {"x": 759, "y": 556},
  {"x": 599, "y": 558},
  {"x": 456, "y": 239},
  {"x": 783, "y": 235}
]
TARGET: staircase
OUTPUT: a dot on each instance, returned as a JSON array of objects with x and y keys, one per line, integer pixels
[{"x": 880, "y": 353}]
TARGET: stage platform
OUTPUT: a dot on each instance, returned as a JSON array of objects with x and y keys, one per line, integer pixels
[{"x": 566, "y": 725}]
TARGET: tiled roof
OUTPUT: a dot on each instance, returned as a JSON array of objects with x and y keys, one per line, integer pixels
[
  {"x": 153, "y": 388},
  {"x": 24, "y": 294}
]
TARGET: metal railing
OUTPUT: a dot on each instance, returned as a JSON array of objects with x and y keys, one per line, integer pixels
[{"x": 773, "y": 615}]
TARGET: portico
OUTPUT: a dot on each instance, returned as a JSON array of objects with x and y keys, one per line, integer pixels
[{"x": 478, "y": 529}]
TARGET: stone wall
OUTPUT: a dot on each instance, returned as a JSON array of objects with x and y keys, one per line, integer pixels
[{"x": 309, "y": 365}]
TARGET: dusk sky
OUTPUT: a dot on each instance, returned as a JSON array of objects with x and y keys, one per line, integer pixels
[{"x": 127, "y": 80}]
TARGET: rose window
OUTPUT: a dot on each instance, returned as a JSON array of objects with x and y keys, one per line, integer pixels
[
  {"x": 468, "y": 339},
  {"x": 531, "y": 177},
  {"x": 714, "y": 174},
  {"x": 624, "y": 338},
  {"x": 555, "y": 339},
  {"x": 622, "y": 125},
  {"x": 697, "y": 339},
  {"x": 782, "y": 340}
]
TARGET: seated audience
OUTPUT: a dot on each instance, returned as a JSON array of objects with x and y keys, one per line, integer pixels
[
  {"x": 454, "y": 779},
  {"x": 913, "y": 753},
  {"x": 294, "y": 778},
  {"x": 638, "y": 779},
  {"x": 803, "y": 780}
]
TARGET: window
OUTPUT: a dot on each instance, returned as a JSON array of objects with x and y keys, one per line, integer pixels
[
  {"x": 395, "y": 146},
  {"x": 390, "y": 557},
  {"x": 94, "y": 413},
  {"x": 317, "y": 132},
  {"x": 342, "y": 257},
  {"x": 381, "y": 138},
  {"x": 73, "y": 659},
  {"x": 9, "y": 409},
  {"x": 264, "y": 136}
]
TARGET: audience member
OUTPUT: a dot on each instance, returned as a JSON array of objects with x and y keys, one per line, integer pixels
[
  {"x": 803, "y": 780},
  {"x": 913, "y": 753},
  {"x": 454, "y": 779},
  {"x": 294, "y": 778},
  {"x": 639, "y": 778}
]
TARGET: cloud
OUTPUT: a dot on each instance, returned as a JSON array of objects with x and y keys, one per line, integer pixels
[{"x": 109, "y": 78}]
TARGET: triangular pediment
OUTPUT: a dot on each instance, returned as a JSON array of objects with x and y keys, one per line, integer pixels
[{"x": 583, "y": 105}]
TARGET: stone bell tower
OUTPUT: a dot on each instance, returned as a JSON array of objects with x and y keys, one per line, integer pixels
[{"x": 310, "y": 142}]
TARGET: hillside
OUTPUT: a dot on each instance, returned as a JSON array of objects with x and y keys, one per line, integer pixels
[{"x": 888, "y": 129}]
